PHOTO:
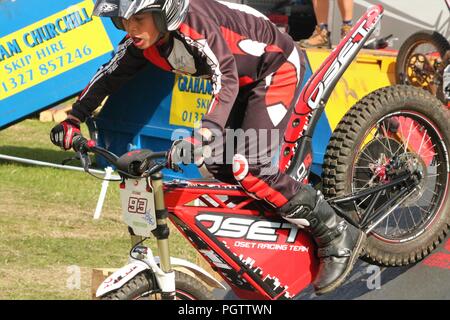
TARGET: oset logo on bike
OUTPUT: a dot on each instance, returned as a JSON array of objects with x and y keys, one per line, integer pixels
[
  {"x": 247, "y": 228},
  {"x": 344, "y": 57}
]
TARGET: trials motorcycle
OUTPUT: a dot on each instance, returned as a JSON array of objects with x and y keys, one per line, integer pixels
[{"x": 386, "y": 171}]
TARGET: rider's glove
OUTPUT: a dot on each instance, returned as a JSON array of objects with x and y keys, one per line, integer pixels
[
  {"x": 186, "y": 151},
  {"x": 62, "y": 134}
]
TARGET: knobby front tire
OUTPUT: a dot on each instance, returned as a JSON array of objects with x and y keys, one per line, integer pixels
[{"x": 141, "y": 287}]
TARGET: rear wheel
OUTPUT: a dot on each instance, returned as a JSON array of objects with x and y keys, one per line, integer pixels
[
  {"x": 142, "y": 287},
  {"x": 409, "y": 126}
]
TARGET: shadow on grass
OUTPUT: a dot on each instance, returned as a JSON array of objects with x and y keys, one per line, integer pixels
[{"x": 40, "y": 154}]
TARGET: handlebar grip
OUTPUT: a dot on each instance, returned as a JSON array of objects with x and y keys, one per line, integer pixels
[
  {"x": 79, "y": 142},
  {"x": 161, "y": 154}
]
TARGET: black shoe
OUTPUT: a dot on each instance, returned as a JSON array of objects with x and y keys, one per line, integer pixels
[
  {"x": 339, "y": 243},
  {"x": 338, "y": 257}
]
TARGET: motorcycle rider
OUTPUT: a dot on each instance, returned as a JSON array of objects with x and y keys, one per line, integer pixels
[{"x": 256, "y": 72}]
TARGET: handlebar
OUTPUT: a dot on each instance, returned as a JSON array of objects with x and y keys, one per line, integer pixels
[{"x": 82, "y": 146}]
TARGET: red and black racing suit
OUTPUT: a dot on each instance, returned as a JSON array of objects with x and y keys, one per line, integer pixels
[{"x": 256, "y": 73}]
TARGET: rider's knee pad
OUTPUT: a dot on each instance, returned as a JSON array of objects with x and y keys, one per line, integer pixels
[
  {"x": 253, "y": 184},
  {"x": 240, "y": 167}
]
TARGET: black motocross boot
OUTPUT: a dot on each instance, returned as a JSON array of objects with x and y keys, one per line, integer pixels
[{"x": 339, "y": 243}]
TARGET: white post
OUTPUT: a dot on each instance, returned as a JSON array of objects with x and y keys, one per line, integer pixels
[
  {"x": 101, "y": 198},
  {"x": 49, "y": 164}
]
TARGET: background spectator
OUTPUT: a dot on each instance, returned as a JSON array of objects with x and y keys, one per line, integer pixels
[{"x": 321, "y": 36}]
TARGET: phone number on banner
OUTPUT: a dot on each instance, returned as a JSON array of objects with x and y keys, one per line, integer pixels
[
  {"x": 50, "y": 47},
  {"x": 43, "y": 69}
]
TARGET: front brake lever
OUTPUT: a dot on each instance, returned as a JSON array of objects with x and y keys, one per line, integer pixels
[
  {"x": 66, "y": 161},
  {"x": 85, "y": 160},
  {"x": 82, "y": 157},
  {"x": 155, "y": 169}
]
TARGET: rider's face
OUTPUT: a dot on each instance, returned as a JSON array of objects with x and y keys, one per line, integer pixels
[{"x": 142, "y": 29}]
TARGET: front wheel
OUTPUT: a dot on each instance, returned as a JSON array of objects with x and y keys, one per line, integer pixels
[
  {"x": 399, "y": 124},
  {"x": 143, "y": 287}
]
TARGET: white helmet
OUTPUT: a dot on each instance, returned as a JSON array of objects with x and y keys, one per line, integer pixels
[{"x": 169, "y": 14}]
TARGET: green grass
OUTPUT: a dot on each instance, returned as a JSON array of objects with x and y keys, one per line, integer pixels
[{"x": 46, "y": 222}]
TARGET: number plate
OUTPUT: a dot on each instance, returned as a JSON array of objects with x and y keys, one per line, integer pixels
[{"x": 138, "y": 207}]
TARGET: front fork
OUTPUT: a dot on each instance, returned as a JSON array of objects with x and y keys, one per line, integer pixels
[{"x": 162, "y": 231}]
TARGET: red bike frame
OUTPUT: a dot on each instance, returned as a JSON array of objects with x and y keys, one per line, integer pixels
[{"x": 260, "y": 255}]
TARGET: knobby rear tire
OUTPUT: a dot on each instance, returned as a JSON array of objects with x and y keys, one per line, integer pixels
[{"x": 341, "y": 152}]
